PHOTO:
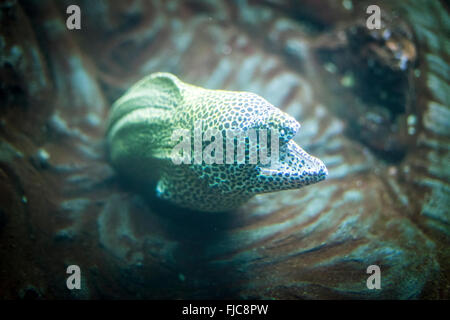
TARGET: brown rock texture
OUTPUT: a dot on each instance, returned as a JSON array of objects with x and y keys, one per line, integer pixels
[{"x": 373, "y": 106}]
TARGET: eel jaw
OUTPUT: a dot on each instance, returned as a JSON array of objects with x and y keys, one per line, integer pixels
[{"x": 295, "y": 168}]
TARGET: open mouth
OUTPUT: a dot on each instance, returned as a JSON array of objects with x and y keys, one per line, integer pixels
[{"x": 295, "y": 167}]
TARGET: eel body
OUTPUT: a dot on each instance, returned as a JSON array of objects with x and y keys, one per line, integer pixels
[{"x": 149, "y": 123}]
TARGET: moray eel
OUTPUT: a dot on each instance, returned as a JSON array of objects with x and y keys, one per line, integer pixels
[{"x": 140, "y": 144}]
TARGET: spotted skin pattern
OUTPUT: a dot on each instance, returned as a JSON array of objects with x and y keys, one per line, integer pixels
[{"x": 141, "y": 124}]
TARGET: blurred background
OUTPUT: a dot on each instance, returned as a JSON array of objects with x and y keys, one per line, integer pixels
[{"x": 373, "y": 105}]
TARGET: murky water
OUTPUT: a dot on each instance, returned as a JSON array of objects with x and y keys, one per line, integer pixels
[{"x": 373, "y": 105}]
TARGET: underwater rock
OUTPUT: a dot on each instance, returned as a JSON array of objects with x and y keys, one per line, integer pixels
[
  {"x": 23, "y": 70},
  {"x": 373, "y": 80},
  {"x": 432, "y": 156},
  {"x": 315, "y": 242},
  {"x": 30, "y": 293},
  {"x": 8, "y": 153},
  {"x": 41, "y": 158}
]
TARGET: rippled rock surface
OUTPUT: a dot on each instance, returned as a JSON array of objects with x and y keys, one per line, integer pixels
[{"x": 373, "y": 106}]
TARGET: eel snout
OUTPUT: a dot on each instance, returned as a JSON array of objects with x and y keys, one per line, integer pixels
[{"x": 295, "y": 168}]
